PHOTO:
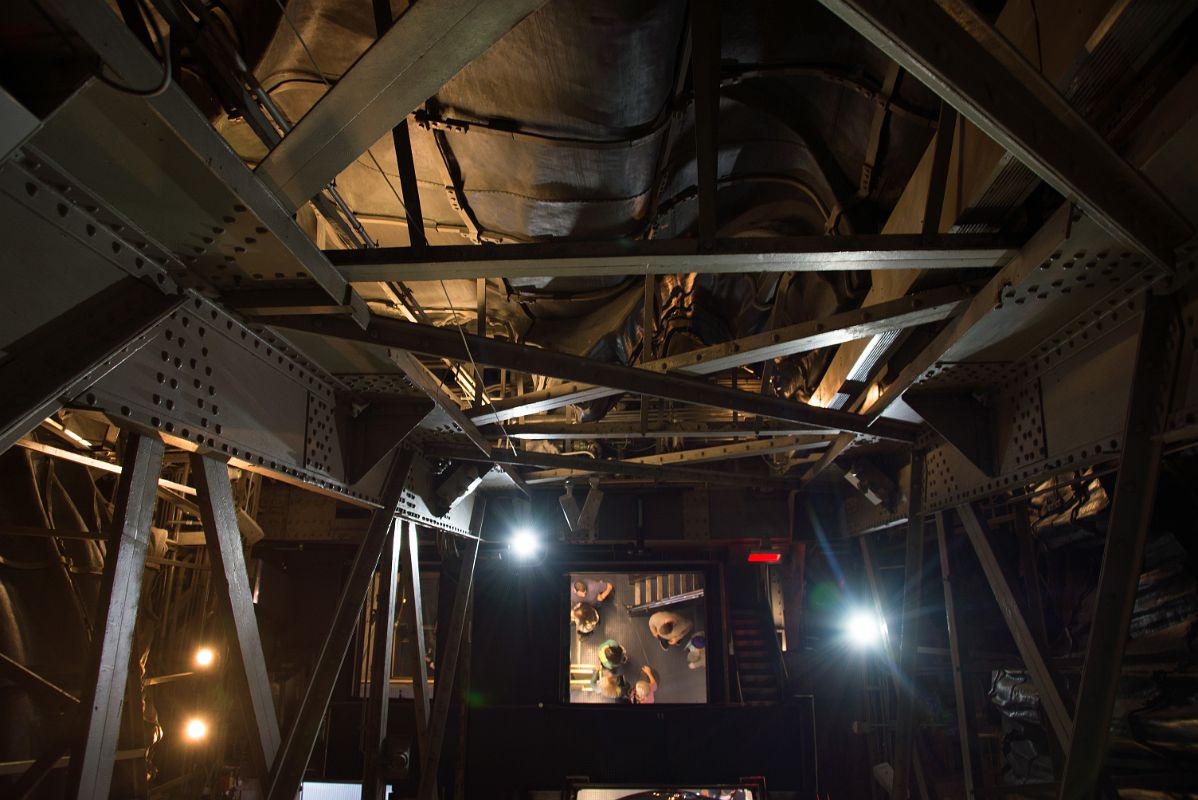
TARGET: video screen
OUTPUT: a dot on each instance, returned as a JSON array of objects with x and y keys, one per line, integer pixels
[{"x": 637, "y": 638}]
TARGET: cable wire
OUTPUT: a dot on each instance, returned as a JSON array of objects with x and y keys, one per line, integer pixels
[
  {"x": 478, "y": 375},
  {"x": 325, "y": 80}
]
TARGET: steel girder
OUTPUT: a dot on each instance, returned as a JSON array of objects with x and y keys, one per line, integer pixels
[
  {"x": 668, "y": 256},
  {"x": 950, "y": 48},
  {"x": 123, "y": 339},
  {"x": 212, "y": 211},
  {"x": 447, "y": 343},
  {"x": 916, "y": 309},
  {"x": 416, "y": 56}
]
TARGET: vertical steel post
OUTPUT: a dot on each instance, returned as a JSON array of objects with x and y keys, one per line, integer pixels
[
  {"x": 414, "y": 611},
  {"x": 447, "y": 666},
  {"x": 373, "y": 782},
  {"x": 966, "y": 730},
  {"x": 1123, "y": 557},
  {"x": 288, "y": 770},
  {"x": 103, "y": 696},
  {"x": 904, "y": 734},
  {"x": 235, "y": 601}
]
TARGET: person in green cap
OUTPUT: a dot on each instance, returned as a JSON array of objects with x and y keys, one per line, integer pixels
[{"x": 612, "y": 655}]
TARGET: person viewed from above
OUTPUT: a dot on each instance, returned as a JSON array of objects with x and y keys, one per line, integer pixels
[
  {"x": 669, "y": 628},
  {"x": 611, "y": 685},
  {"x": 644, "y": 690},
  {"x": 585, "y": 618},
  {"x": 612, "y": 655},
  {"x": 588, "y": 590},
  {"x": 696, "y": 651}
]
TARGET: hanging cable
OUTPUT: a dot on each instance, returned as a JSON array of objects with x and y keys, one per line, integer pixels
[{"x": 478, "y": 375}]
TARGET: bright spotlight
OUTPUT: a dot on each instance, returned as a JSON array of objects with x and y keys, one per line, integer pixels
[
  {"x": 205, "y": 657},
  {"x": 863, "y": 629},
  {"x": 524, "y": 544},
  {"x": 196, "y": 730}
]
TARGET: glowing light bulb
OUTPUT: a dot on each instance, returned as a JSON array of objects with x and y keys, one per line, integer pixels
[
  {"x": 205, "y": 657},
  {"x": 196, "y": 729},
  {"x": 863, "y": 629},
  {"x": 524, "y": 544}
]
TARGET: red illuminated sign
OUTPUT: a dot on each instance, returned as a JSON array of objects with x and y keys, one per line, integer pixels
[{"x": 764, "y": 558}]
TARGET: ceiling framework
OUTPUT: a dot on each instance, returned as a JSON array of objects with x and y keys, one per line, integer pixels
[{"x": 213, "y": 310}]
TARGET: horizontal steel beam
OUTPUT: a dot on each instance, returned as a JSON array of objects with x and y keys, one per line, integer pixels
[
  {"x": 422, "y": 50},
  {"x": 449, "y": 343},
  {"x": 748, "y": 429},
  {"x": 631, "y": 469},
  {"x": 918, "y": 309},
  {"x": 669, "y": 256},
  {"x": 950, "y": 48},
  {"x": 723, "y": 452}
]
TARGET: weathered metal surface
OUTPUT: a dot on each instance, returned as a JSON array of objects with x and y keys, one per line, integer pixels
[{"x": 103, "y": 696}]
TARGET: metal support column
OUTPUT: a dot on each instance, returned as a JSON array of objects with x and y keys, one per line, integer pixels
[
  {"x": 413, "y": 612},
  {"x": 904, "y": 735},
  {"x": 288, "y": 770},
  {"x": 966, "y": 729},
  {"x": 430, "y": 761},
  {"x": 377, "y": 704},
  {"x": 235, "y": 600},
  {"x": 1122, "y": 559},
  {"x": 1025, "y": 641},
  {"x": 103, "y": 695}
]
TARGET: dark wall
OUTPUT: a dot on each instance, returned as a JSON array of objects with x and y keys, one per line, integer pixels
[{"x": 523, "y": 748}]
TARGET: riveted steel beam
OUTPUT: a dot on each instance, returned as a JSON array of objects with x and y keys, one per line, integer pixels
[
  {"x": 668, "y": 256},
  {"x": 56, "y": 361},
  {"x": 128, "y": 133}
]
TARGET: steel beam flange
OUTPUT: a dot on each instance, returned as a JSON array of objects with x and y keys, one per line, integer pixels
[{"x": 32, "y": 180}]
